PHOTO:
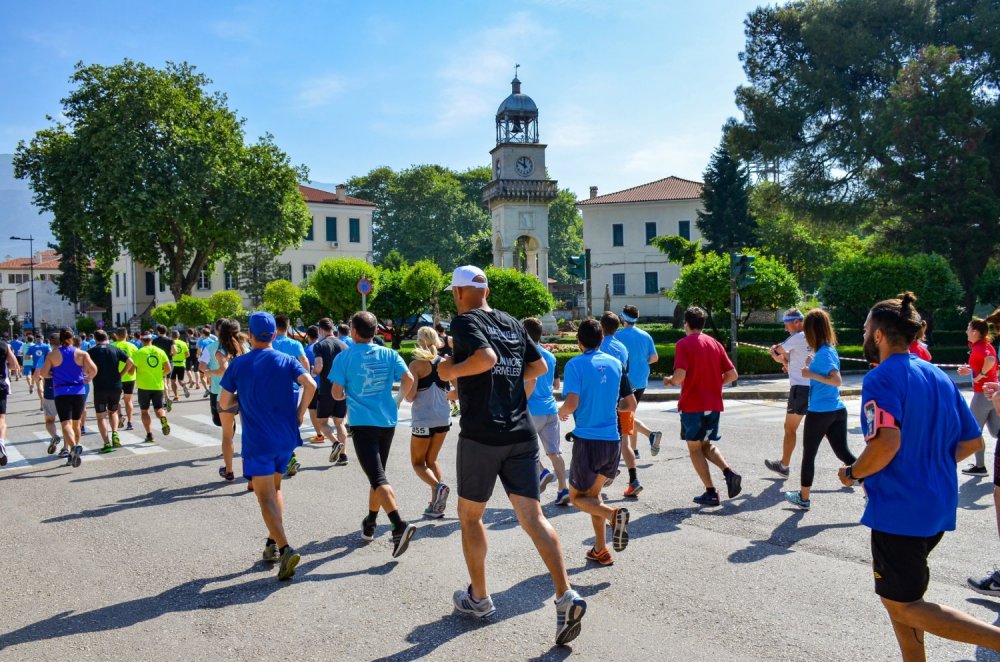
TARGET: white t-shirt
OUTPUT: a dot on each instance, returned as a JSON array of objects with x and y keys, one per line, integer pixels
[{"x": 798, "y": 350}]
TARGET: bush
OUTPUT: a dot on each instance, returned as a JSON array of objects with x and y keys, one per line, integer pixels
[
  {"x": 226, "y": 303},
  {"x": 281, "y": 297},
  {"x": 193, "y": 312},
  {"x": 518, "y": 294},
  {"x": 85, "y": 324},
  {"x": 165, "y": 314}
]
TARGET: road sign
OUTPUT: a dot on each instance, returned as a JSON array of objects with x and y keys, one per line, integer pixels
[{"x": 364, "y": 287}]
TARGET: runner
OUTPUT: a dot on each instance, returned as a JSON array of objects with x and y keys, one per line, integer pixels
[
  {"x": 701, "y": 369},
  {"x": 918, "y": 428},
  {"x": 108, "y": 387},
  {"x": 639, "y": 345},
  {"x": 444, "y": 341},
  {"x": 191, "y": 367},
  {"x": 312, "y": 333},
  {"x": 46, "y": 389},
  {"x": 78, "y": 344},
  {"x": 136, "y": 340},
  {"x": 207, "y": 337},
  {"x": 128, "y": 378},
  {"x": 25, "y": 361},
  {"x": 596, "y": 389},
  {"x": 430, "y": 419},
  {"x": 270, "y": 424},
  {"x": 214, "y": 361},
  {"x": 152, "y": 366},
  {"x": 626, "y": 417},
  {"x": 364, "y": 375},
  {"x": 9, "y": 362},
  {"x": 38, "y": 352},
  {"x": 344, "y": 334},
  {"x": 990, "y": 584},
  {"x": 544, "y": 415},
  {"x": 827, "y": 414},
  {"x": 326, "y": 351},
  {"x": 179, "y": 362},
  {"x": 292, "y": 348},
  {"x": 983, "y": 367},
  {"x": 493, "y": 357},
  {"x": 792, "y": 354},
  {"x": 918, "y": 346},
  {"x": 17, "y": 346},
  {"x": 71, "y": 369}
]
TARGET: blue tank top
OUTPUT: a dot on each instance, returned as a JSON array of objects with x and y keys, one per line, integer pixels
[{"x": 67, "y": 377}]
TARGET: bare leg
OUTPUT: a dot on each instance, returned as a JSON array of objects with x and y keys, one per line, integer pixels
[
  {"x": 228, "y": 432},
  {"x": 470, "y": 515},
  {"x": 714, "y": 455},
  {"x": 628, "y": 451},
  {"x": 50, "y": 426},
  {"x": 591, "y": 503},
  {"x": 911, "y": 619},
  {"x": 697, "y": 453},
  {"x": 128, "y": 408},
  {"x": 533, "y": 521},
  {"x": 146, "y": 421},
  {"x": 102, "y": 427},
  {"x": 559, "y": 468},
  {"x": 792, "y": 422},
  {"x": 272, "y": 507}
]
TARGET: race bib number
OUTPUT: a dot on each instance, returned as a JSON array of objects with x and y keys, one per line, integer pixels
[
  {"x": 877, "y": 418},
  {"x": 421, "y": 431}
]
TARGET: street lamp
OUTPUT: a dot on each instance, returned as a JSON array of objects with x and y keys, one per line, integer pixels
[{"x": 31, "y": 271}]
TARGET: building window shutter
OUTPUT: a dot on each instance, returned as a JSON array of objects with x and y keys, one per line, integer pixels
[{"x": 331, "y": 228}]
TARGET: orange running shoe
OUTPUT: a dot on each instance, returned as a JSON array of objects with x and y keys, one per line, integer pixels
[
  {"x": 603, "y": 557},
  {"x": 317, "y": 439}
]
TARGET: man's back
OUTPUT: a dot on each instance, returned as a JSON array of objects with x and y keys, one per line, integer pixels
[
  {"x": 262, "y": 380},
  {"x": 149, "y": 361},
  {"x": 327, "y": 349},
  {"x": 704, "y": 361},
  {"x": 107, "y": 359},
  {"x": 367, "y": 373},
  {"x": 640, "y": 347}
]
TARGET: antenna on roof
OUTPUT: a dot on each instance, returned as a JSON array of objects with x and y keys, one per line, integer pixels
[{"x": 516, "y": 67}]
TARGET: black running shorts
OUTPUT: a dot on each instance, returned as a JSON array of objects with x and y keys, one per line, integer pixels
[
  {"x": 178, "y": 372},
  {"x": 593, "y": 458},
  {"x": 128, "y": 388},
  {"x": 899, "y": 564},
  {"x": 150, "y": 397},
  {"x": 107, "y": 400},
  {"x": 479, "y": 466},
  {"x": 798, "y": 400},
  {"x": 326, "y": 406},
  {"x": 70, "y": 407}
]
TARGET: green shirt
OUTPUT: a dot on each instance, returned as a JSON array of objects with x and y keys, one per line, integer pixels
[
  {"x": 129, "y": 350},
  {"x": 180, "y": 356},
  {"x": 149, "y": 362}
]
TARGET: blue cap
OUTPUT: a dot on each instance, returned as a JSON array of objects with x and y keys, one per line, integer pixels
[{"x": 262, "y": 326}]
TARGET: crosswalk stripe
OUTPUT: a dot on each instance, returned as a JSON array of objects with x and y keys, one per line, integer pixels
[
  {"x": 200, "y": 418},
  {"x": 134, "y": 444},
  {"x": 14, "y": 457},
  {"x": 194, "y": 438}
]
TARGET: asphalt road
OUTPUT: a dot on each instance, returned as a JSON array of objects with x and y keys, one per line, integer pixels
[{"x": 148, "y": 555}]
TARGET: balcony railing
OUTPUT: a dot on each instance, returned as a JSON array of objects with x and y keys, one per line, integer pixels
[{"x": 520, "y": 189}]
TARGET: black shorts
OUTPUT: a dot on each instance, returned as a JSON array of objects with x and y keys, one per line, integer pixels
[
  {"x": 593, "y": 458},
  {"x": 638, "y": 394},
  {"x": 798, "y": 400},
  {"x": 178, "y": 372},
  {"x": 70, "y": 407},
  {"x": 899, "y": 564},
  {"x": 326, "y": 406},
  {"x": 479, "y": 465},
  {"x": 128, "y": 388},
  {"x": 20, "y": 361},
  {"x": 996, "y": 464},
  {"x": 426, "y": 432},
  {"x": 213, "y": 403},
  {"x": 192, "y": 362},
  {"x": 371, "y": 446},
  {"x": 107, "y": 400},
  {"x": 315, "y": 400},
  {"x": 150, "y": 397}
]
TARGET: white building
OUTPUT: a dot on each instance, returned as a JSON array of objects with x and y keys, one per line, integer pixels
[
  {"x": 51, "y": 309},
  {"x": 341, "y": 227},
  {"x": 15, "y": 271},
  {"x": 617, "y": 229}
]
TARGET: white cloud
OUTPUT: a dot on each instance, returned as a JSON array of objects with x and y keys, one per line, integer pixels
[
  {"x": 318, "y": 92},
  {"x": 684, "y": 155}
]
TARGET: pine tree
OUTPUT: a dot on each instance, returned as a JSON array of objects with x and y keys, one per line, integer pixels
[{"x": 726, "y": 225}]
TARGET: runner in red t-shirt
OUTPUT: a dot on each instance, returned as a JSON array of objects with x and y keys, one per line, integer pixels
[
  {"x": 918, "y": 346},
  {"x": 701, "y": 369},
  {"x": 983, "y": 368}
]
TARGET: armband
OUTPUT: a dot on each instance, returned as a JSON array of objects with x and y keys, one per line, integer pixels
[
  {"x": 877, "y": 418},
  {"x": 235, "y": 409}
]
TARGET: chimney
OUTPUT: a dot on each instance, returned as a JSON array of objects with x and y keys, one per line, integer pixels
[
  {"x": 593, "y": 192},
  {"x": 341, "y": 192}
]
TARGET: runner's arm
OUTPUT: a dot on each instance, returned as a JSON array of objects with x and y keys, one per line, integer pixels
[
  {"x": 227, "y": 400},
  {"x": 988, "y": 364},
  {"x": 833, "y": 379},
  {"x": 89, "y": 367},
  {"x": 418, "y": 369},
  {"x": 338, "y": 392},
  {"x": 535, "y": 369},
  {"x": 675, "y": 379},
  {"x": 482, "y": 360},
  {"x": 653, "y": 358},
  {"x": 46, "y": 370},
  {"x": 628, "y": 403},
  {"x": 569, "y": 405},
  {"x": 968, "y": 447},
  {"x": 877, "y": 454},
  {"x": 308, "y": 385},
  {"x": 317, "y": 369},
  {"x": 304, "y": 362},
  {"x": 407, "y": 383},
  {"x": 729, "y": 376},
  {"x": 129, "y": 367},
  {"x": 11, "y": 360},
  {"x": 529, "y": 386}
]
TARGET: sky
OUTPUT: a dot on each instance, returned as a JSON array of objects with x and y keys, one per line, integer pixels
[{"x": 628, "y": 91}]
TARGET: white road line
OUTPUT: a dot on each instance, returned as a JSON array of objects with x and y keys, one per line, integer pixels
[
  {"x": 195, "y": 438},
  {"x": 89, "y": 451},
  {"x": 134, "y": 444},
  {"x": 14, "y": 458}
]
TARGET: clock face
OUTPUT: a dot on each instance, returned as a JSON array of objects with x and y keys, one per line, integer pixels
[{"x": 524, "y": 166}]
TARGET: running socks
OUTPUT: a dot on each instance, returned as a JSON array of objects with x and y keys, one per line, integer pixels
[
  {"x": 372, "y": 515},
  {"x": 396, "y": 520},
  {"x": 632, "y": 475},
  {"x": 727, "y": 472}
]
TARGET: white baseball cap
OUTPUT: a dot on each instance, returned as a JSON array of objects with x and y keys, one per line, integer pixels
[{"x": 466, "y": 277}]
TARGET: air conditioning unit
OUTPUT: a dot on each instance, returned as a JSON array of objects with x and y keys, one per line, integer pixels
[{"x": 334, "y": 244}]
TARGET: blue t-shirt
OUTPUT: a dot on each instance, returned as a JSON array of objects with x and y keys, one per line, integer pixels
[
  {"x": 262, "y": 379},
  {"x": 542, "y": 402},
  {"x": 291, "y": 347},
  {"x": 599, "y": 381},
  {"x": 614, "y": 347},
  {"x": 310, "y": 355},
  {"x": 640, "y": 347},
  {"x": 16, "y": 345},
  {"x": 137, "y": 343},
  {"x": 38, "y": 352},
  {"x": 916, "y": 494},
  {"x": 823, "y": 397},
  {"x": 367, "y": 373}
]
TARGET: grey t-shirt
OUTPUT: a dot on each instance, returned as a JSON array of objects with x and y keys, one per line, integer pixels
[{"x": 798, "y": 351}]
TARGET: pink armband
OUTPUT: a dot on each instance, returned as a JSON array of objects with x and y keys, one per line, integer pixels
[{"x": 877, "y": 418}]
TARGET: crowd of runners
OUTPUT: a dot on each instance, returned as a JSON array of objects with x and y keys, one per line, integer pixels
[{"x": 493, "y": 371}]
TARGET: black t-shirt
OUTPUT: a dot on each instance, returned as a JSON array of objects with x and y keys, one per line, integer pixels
[
  {"x": 3, "y": 359},
  {"x": 107, "y": 358},
  {"x": 494, "y": 406},
  {"x": 445, "y": 349},
  {"x": 327, "y": 349},
  {"x": 165, "y": 343}
]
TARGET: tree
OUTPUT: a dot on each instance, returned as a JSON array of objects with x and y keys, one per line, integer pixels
[
  {"x": 282, "y": 297},
  {"x": 565, "y": 235},
  {"x": 987, "y": 287},
  {"x": 518, "y": 294},
  {"x": 85, "y": 324},
  {"x": 149, "y": 163},
  {"x": 193, "y": 312},
  {"x": 393, "y": 261},
  {"x": 313, "y": 309},
  {"x": 73, "y": 263},
  {"x": 852, "y": 286},
  {"x": 227, "y": 304},
  {"x": 9, "y": 321},
  {"x": 479, "y": 249},
  {"x": 406, "y": 292},
  {"x": 726, "y": 224},
  {"x": 886, "y": 106},
  {"x": 165, "y": 314},
  {"x": 336, "y": 283},
  {"x": 677, "y": 249},
  {"x": 256, "y": 266}
]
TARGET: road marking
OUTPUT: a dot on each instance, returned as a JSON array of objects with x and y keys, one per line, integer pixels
[
  {"x": 14, "y": 458},
  {"x": 201, "y": 418},
  {"x": 194, "y": 438},
  {"x": 135, "y": 444}
]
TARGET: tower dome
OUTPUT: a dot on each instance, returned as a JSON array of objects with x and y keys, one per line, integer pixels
[{"x": 517, "y": 117}]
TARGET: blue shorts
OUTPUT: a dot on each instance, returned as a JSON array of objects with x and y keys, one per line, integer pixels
[
  {"x": 266, "y": 465},
  {"x": 700, "y": 426},
  {"x": 28, "y": 369}
]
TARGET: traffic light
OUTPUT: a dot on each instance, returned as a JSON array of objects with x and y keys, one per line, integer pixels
[
  {"x": 741, "y": 269},
  {"x": 578, "y": 266}
]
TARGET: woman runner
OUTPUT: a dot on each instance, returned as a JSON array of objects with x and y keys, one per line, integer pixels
[{"x": 983, "y": 368}]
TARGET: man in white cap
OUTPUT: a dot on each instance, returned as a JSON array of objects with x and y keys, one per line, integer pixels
[{"x": 493, "y": 358}]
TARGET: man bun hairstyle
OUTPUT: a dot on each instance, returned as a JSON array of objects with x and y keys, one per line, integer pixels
[
  {"x": 589, "y": 334},
  {"x": 898, "y": 319}
]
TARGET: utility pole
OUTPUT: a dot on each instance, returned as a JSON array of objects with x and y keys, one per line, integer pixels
[
  {"x": 741, "y": 274},
  {"x": 31, "y": 271}
]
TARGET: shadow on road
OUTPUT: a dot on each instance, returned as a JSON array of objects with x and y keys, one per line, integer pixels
[
  {"x": 784, "y": 536},
  {"x": 521, "y": 598},
  {"x": 986, "y": 654},
  {"x": 160, "y": 497},
  {"x": 145, "y": 471},
  {"x": 971, "y": 491}
]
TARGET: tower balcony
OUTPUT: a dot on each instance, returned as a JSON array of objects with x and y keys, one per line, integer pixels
[{"x": 541, "y": 190}]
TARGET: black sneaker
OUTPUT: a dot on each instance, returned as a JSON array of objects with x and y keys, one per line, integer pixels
[
  {"x": 734, "y": 484},
  {"x": 271, "y": 554},
  {"x": 973, "y": 470},
  {"x": 777, "y": 467},
  {"x": 367, "y": 530},
  {"x": 708, "y": 498},
  {"x": 341, "y": 461},
  {"x": 149, "y": 438},
  {"x": 401, "y": 539},
  {"x": 287, "y": 562}
]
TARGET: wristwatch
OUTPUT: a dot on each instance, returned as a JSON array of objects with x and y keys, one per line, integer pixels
[{"x": 849, "y": 474}]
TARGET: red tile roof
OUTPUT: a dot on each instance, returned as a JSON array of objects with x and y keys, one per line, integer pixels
[
  {"x": 47, "y": 259},
  {"x": 669, "y": 188},
  {"x": 316, "y": 195}
]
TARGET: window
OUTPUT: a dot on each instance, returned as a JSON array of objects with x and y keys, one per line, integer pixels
[
  {"x": 163, "y": 281},
  {"x": 125, "y": 285},
  {"x": 204, "y": 280},
  {"x": 150, "y": 284},
  {"x": 307, "y": 270},
  {"x": 232, "y": 277},
  {"x": 309, "y": 232},
  {"x": 117, "y": 288},
  {"x": 652, "y": 282},
  {"x": 17, "y": 279},
  {"x": 331, "y": 228},
  {"x": 650, "y": 231},
  {"x": 354, "y": 225},
  {"x": 684, "y": 229},
  {"x": 286, "y": 271},
  {"x": 618, "y": 285},
  {"x": 617, "y": 234}
]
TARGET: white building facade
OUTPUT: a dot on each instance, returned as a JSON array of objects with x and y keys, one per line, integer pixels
[
  {"x": 617, "y": 229},
  {"x": 341, "y": 227}
]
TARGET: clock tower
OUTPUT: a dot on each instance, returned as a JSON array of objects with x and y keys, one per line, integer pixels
[{"x": 518, "y": 196}]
